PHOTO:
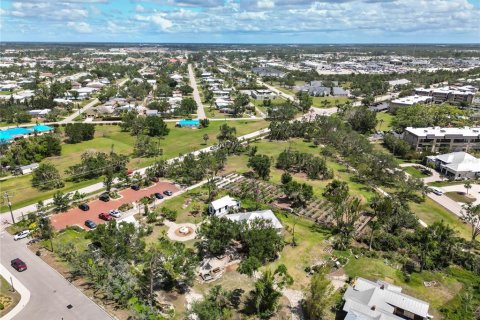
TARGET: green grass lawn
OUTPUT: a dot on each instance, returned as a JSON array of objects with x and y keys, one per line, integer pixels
[
  {"x": 328, "y": 102},
  {"x": 8, "y": 298},
  {"x": 77, "y": 238},
  {"x": 309, "y": 249},
  {"x": 430, "y": 212},
  {"x": 384, "y": 121},
  {"x": 414, "y": 172},
  {"x": 179, "y": 141},
  {"x": 374, "y": 269},
  {"x": 273, "y": 149},
  {"x": 459, "y": 197}
]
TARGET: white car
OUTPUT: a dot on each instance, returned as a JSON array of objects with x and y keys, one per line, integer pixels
[
  {"x": 115, "y": 213},
  {"x": 436, "y": 191},
  {"x": 21, "y": 235}
]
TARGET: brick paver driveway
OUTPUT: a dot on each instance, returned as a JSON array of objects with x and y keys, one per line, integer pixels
[{"x": 75, "y": 216}]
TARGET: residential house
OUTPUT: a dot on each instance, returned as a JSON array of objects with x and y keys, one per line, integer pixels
[
  {"x": 26, "y": 169},
  {"x": 368, "y": 300},
  {"x": 262, "y": 94},
  {"x": 222, "y": 206},
  {"x": 456, "y": 165},
  {"x": 249, "y": 217}
]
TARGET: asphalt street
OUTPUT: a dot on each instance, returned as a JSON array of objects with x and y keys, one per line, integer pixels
[{"x": 50, "y": 293}]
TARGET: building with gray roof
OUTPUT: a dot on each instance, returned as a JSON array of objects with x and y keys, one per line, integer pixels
[{"x": 368, "y": 300}]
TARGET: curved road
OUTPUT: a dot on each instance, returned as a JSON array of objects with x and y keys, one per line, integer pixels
[{"x": 50, "y": 293}]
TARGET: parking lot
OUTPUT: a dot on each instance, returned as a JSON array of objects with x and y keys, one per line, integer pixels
[{"x": 75, "y": 216}]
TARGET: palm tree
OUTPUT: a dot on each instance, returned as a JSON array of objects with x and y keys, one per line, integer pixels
[
  {"x": 468, "y": 185},
  {"x": 471, "y": 215}
]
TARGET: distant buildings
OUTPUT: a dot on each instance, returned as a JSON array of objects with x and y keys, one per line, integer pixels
[
  {"x": 368, "y": 300},
  {"x": 436, "y": 139},
  {"x": 455, "y": 95},
  {"x": 456, "y": 165},
  {"x": 319, "y": 89},
  {"x": 268, "y": 72}
]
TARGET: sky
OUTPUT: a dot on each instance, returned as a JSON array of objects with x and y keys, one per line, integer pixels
[{"x": 241, "y": 21}]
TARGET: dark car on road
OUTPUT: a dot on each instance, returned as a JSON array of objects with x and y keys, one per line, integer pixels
[
  {"x": 18, "y": 265},
  {"x": 84, "y": 207},
  {"x": 105, "y": 197},
  {"x": 105, "y": 216},
  {"x": 157, "y": 195},
  {"x": 135, "y": 187},
  {"x": 167, "y": 192},
  {"x": 90, "y": 224}
]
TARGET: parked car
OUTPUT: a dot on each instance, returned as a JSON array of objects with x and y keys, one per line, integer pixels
[
  {"x": 436, "y": 191},
  {"x": 115, "y": 213},
  {"x": 135, "y": 187},
  {"x": 21, "y": 235},
  {"x": 18, "y": 265},
  {"x": 105, "y": 216},
  {"x": 105, "y": 197},
  {"x": 90, "y": 224},
  {"x": 167, "y": 192},
  {"x": 84, "y": 207},
  {"x": 157, "y": 195}
]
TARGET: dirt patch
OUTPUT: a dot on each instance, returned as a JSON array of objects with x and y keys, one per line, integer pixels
[{"x": 232, "y": 267}]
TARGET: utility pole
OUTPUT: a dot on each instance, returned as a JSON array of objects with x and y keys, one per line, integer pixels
[{"x": 7, "y": 196}]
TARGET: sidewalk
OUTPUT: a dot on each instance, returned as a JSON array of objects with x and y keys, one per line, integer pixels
[{"x": 20, "y": 288}]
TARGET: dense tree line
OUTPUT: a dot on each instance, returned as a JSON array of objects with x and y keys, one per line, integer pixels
[
  {"x": 295, "y": 161},
  {"x": 150, "y": 125},
  {"x": 94, "y": 165},
  {"x": 78, "y": 132},
  {"x": 34, "y": 149}
]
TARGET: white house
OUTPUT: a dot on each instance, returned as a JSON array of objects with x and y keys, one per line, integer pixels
[
  {"x": 223, "y": 206},
  {"x": 27, "y": 169},
  {"x": 368, "y": 300},
  {"x": 457, "y": 165},
  {"x": 251, "y": 216}
]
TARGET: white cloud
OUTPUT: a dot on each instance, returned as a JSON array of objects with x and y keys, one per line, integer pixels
[
  {"x": 158, "y": 19},
  {"x": 139, "y": 8},
  {"x": 81, "y": 27},
  {"x": 265, "y": 4}
]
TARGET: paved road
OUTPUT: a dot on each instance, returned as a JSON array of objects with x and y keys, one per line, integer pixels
[
  {"x": 196, "y": 94},
  {"x": 50, "y": 293},
  {"x": 82, "y": 110}
]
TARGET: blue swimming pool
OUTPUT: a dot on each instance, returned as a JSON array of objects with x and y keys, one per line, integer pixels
[
  {"x": 10, "y": 134},
  {"x": 189, "y": 123}
]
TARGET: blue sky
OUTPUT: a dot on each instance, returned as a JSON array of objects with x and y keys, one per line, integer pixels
[{"x": 241, "y": 21}]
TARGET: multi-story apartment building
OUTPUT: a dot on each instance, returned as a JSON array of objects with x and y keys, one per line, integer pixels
[
  {"x": 455, "y": 95},
  {"x": 436, "y": 139}
]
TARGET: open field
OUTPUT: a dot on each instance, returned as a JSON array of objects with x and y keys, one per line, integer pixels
[
  {"x": 430, "y": 212},
  {"x": 273, "y": 149},
  {"x": 179, "y": 141},
  {"x": 328, "y": 102}
]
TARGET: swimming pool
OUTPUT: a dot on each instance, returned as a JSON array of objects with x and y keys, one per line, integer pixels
[
  {"x": 189, "y": 123},
  {"x": 10, "y": 134}
]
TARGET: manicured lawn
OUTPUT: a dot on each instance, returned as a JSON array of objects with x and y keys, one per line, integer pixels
[
  {"x": 328, "y": 102},
  {"x": 374, "y": 269},
  {"x": 8, "y": 298},
  {"x": 414, "y": 172},
  {"x": 459, "y": 197},
  {"x": 430, "y": 212},
  {"x": 179, "y": 141},
  {"x": 384, "y": 121},
  {"x": 77, "y": 238}
]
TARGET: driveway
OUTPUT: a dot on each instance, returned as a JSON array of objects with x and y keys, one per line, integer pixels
[
  {"x": 75, "y": 216},
  {"x": 474, "y": 191},
  {"x": 50, "y": 293}
]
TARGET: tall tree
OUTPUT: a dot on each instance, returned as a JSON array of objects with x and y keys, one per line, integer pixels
[
  {"x": 317, "y": 298},
  {"x": 46, "y": 177}
]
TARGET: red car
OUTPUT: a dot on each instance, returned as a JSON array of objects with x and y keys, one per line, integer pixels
[
  {"x": 18, "y": 265},
  {"x": 105, "y": 216}
]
